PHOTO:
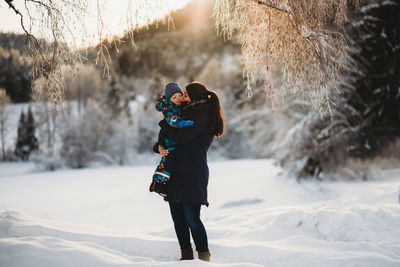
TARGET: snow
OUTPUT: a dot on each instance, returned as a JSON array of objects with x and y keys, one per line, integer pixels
[
  {"x": 15, "y": 168},
  {"x": 257, "y": 217}
]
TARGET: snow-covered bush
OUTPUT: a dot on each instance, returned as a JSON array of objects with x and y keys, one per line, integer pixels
[
  {"x": 314, "y": 145},
  {"x": 92, "y": 138},
  {"x": 44, "y": 162}
]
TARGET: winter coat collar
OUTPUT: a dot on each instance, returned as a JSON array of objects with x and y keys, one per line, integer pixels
[{"x": 192, "y": 105}]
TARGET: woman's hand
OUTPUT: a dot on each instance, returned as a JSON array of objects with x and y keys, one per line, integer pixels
[{"x": 163, "y": 151}]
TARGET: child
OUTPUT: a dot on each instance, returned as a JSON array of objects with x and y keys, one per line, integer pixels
[{"x": 169, "y": 106}]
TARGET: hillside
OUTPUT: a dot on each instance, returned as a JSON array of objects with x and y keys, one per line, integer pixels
[{"x": 182, "y": 50}]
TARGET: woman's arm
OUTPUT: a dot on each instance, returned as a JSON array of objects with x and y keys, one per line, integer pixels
[
  {"x": 186, "y": 134},
  {"x": 159, "y": 149}
]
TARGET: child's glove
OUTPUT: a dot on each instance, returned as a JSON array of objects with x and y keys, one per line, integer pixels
[{"x": 185, "y": 124}]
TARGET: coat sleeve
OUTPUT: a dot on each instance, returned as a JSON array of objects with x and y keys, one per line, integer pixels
[{"x": 185, "y": 135}]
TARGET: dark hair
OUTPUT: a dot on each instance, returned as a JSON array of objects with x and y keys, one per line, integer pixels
[{"x": 198, "y": 91}]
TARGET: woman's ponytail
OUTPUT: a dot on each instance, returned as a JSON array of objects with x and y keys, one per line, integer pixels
[{"x": 216, "y": 115}]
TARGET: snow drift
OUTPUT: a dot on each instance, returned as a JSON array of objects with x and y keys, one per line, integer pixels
[{"x": 257, "y": 217}]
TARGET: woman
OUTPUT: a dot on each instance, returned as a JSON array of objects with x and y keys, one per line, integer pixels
[{"x": 187, "y": 190}]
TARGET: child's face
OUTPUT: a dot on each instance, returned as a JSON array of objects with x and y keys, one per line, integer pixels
[{"x": 176, "y": 99}]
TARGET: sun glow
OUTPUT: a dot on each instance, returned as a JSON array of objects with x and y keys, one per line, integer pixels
[
  {"x": 126, "y": 14},
  {"x": 107, "y": 17}
]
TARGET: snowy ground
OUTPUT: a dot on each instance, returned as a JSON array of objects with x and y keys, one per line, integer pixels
[{"x": 257, "y": 217}]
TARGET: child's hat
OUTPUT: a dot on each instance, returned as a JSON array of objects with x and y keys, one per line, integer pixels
[{"x": 171, "y": 89}]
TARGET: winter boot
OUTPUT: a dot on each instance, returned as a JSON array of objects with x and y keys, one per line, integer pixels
[
  {"x": 204, "y": 256},
  {"x": 187, "y": 254}
]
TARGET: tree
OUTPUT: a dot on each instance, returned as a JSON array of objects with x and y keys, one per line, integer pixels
[
  {"x": 20, "y": 149},
  {"x": 58, "y": 23},
  {"x": 32, "y": 141},
  {"x": 113, "y": 100},
  {"x": 375, "y": 83},
  {"x": 46, "y": 121},
  {"x": 4, "y": 117},
  {"x": 155, "y": 90},
  {"x": 26, "y": 140},
  {"x": 302, "y": 37},
  {"x": 83, "y": 82},
  {"x": 367, "y": 114},
  {"x": 15, "y": 75},
  {"x": 85, "y": 135},
  {"x": 94, "y": 136}
]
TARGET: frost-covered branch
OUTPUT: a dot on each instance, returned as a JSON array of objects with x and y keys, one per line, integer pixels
[
  {"x": 284, "y": 7},
  {"x": 61, "y": 25},
  {"x": 288, "y": 38}
]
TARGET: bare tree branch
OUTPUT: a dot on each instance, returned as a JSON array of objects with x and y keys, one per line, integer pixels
[{"x": 11, "y": 6}]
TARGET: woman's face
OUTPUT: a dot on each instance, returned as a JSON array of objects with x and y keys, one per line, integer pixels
[{"x": 185, "y": 97}]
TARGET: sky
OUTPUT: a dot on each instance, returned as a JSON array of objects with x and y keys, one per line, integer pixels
[{"x": 115, "y": 15}]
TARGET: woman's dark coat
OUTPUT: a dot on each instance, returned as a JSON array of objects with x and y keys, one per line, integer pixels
[{"x": 190, "y": 171}]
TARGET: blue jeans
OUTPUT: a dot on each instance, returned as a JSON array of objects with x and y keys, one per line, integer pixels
[{"x": 187, "y": 216}]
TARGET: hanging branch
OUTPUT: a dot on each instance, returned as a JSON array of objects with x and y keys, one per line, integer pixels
[
  {"x": 59, "y": 21},
  {"x": 292, "y": 36},
  {"x": 11, "y": 5}
]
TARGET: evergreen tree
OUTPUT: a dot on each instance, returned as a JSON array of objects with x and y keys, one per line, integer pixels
[
  {"x": 376, "y": 86},
  {"x": 26, "y": 140},
  {"x": 32, "y": 141},
  {"x": 20, "y": 149},
  {"x": 15, "y": 75}
]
